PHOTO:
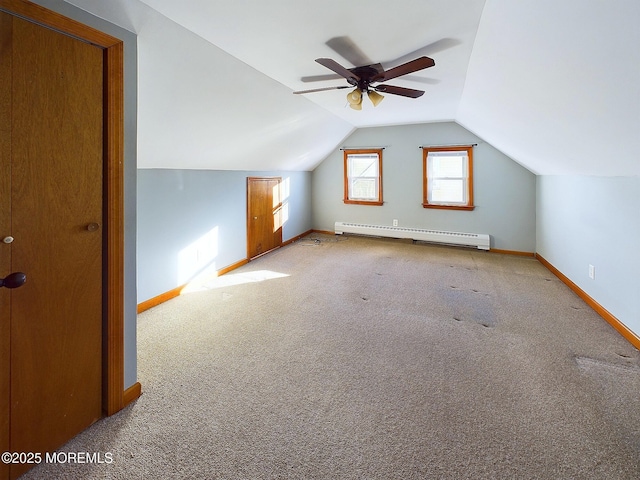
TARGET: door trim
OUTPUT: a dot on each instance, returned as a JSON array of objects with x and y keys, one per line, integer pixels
[{"x": 113, "y": 190}]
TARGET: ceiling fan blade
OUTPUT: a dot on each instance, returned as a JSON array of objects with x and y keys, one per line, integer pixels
[
  {"x": 405, "y": 92},
  {"x": 321, "y": 78},
  {"x": 339, "y": 69},
  {"x": 435, "y": 47},
  {"x": 347, "y": 49},
  {"x": 409, "y": 67},
  {"x": 323, "y": 89},
  {"x": 425, "y": 80}
]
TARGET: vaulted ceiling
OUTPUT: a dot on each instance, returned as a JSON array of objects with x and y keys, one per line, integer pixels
[{"x": 553, "y": 84}]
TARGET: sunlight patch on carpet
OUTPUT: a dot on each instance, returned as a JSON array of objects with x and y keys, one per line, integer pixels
[{"x": 210, "y": 283}]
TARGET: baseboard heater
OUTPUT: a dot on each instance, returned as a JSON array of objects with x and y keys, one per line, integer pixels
[{"x": 478, "y": 240}]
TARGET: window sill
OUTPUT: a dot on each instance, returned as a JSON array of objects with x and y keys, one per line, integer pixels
[
  {"x": 449, "y": 207},
  {"x": 362, "y": 202}
]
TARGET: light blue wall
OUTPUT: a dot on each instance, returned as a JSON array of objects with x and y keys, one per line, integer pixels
[
  {"x": 180, "y": 211},
  {"x": 130, "y": 169},
  {"x": 504, "y": 191},
  {"x": 584, "y": 221}
]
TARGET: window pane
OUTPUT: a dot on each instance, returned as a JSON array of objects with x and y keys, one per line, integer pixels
[
  {"x": 447, "y": 191},
  {"x": 363, "y": 165},
  {"x": 448, "y": 166},
  {"x": 364, "y": 188}
]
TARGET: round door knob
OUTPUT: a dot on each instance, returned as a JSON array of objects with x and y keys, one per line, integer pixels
[
  {"x": 8, "y": 239},
  {"x": 13, "y": 280},
  {"x": 92, "y": 227}
]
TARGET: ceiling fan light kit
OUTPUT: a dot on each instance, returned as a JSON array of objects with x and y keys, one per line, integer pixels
[
  {"x": 355, "y": 99},
  {"x": 363, "y": 77},
  {"x": 375, "y": 97},
  {"x": 354, "y": 96}
]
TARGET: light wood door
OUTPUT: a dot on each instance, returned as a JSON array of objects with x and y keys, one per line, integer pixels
[
  {"x": 52, "y": 193},
  {"x": 264, "y": 215}
]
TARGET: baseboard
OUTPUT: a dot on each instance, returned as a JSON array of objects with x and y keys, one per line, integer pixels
[
  {"x": 297, "y": 237},
  {"x": 132, "y": 393},
  {"x": 173, "y": 293},
  {"x": 513, "y": 252},
  {"x": 599, "y": 309},
  {"x": 494, "y": 250},
  {"x": 163, "y": 297},
  {"x": 324, "y": 232},
  {"x": 233, "y": 266}
]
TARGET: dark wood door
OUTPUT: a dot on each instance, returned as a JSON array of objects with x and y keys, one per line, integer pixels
[
  {"x": 52, "y": 157},
  {"x": 264, "y": 215}
]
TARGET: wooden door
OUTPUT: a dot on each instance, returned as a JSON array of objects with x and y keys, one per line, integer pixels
[
  {"x": 264, "y": 215},
  {"x": 54, "y": 208},
  {"x": 5, "y": 228}
]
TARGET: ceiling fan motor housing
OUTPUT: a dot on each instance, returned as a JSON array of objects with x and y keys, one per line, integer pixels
[{"x": 366, "y": 74}]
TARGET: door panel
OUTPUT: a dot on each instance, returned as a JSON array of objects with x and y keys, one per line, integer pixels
[
  {"x": 56, "y": 221},
  {"x": 264, "y": 226}
]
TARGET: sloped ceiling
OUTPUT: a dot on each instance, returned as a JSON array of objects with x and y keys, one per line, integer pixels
[{"x": 555, "y": 85}]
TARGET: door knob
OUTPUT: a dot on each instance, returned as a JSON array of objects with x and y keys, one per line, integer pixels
[
  {"x": 92, "y": 227},
  {"x": 13, "y": 280},
  {"x": 8, "y": 239}
]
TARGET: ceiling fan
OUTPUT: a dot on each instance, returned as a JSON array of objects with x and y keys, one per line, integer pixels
[{"x": 364, "y": 78}]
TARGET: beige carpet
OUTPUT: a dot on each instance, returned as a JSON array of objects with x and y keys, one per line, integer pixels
[{"x": 375, "y": 359}]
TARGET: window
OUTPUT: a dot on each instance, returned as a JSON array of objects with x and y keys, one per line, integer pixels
[
  {"x": 448, "y": 177},
  {"x": 363, "y": 177}
]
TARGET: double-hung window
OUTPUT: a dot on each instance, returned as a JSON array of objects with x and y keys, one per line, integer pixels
[
  {"x": 448, "y": 177},
  {"x": 363, "y": 176}
]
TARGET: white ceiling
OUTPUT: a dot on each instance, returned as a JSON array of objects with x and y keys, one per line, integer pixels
[
  {"x": 553, "y": 84},
  {"x": 281, "y": 39}
]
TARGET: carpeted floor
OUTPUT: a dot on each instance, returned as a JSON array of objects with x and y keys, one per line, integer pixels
[{"x": 359, "y": 358}]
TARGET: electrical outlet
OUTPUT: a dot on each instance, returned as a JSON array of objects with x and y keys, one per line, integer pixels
[
  {"x": 592, "y": 272},
  {"x": 395, "y": 222}
]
